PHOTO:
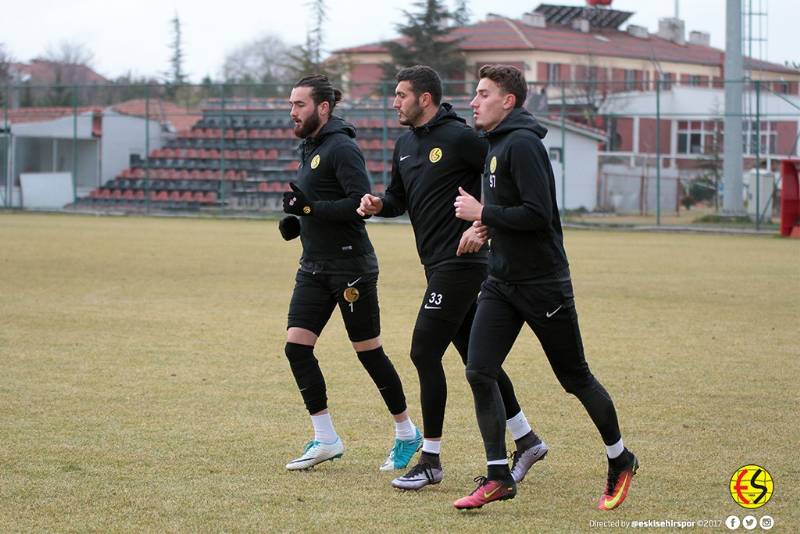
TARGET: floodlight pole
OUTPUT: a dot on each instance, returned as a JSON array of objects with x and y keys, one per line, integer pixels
[{"x": 734, "y": 80}]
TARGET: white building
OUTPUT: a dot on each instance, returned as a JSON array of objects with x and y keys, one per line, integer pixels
[
  {"x": 578, "y": 148},
  {"x": 92, "y": 147}
]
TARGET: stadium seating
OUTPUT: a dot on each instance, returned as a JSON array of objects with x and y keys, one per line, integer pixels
[{"x": 242, "y": 160}]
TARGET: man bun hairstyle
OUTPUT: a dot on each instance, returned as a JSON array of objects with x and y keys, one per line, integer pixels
[
  {"x": 509, "y": 79},
  {"x": 423, "y": 79},
  {"x": 321, "y": 89}
]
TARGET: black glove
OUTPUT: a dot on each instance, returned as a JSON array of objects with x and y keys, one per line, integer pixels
[
  {"x": 289, "y": 227},
  {"x": 295, "y": 201}
]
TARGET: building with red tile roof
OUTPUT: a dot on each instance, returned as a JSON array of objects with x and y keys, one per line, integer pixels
[{"x": 563, "y": 44}]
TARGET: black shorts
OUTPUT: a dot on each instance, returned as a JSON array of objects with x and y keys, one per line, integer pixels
[
  {"x": 316, "y": 295},
  {"x": 452, "y": 290}
]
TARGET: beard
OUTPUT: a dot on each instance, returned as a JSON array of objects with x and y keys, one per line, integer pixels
[
  {"x": 411, "y": 115},
  {"x": 308, "y": 126}
]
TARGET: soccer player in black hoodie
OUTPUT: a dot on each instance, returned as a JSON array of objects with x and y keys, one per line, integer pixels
[
  {"x": 529, "y": 282},
  {"x": 439, "y": 154},
  {"x": 338, "y": 267}
]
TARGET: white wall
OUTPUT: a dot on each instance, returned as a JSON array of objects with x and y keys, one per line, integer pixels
[
  {"x": 122, "y": 136},
  {"x": 581, "y": 168}
]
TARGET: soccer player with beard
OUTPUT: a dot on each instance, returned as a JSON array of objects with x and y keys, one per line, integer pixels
[
  {"x": 439, "y": 154},
  {"x": 338, "y": 266},
  {"x": 529, "y": 282}
]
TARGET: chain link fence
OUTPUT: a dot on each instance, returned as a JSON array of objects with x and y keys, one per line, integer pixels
[{"x": 644, "y": 151}]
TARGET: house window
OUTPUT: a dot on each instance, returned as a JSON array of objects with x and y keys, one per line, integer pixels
[
  {"x": 666, "y": 81},
  {"x": 630, "y": 79},
  {"x": 554, "y": 72},
  {"x": 555, "y": 155},
  {"x": 694, "y": 80},
  {"x": 768, "y": 137},
  {"x": 694, "y": 136}
]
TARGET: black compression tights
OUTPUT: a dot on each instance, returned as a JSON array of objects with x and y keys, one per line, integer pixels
[
  {"x": 497, "y": 325},
  {"x": 428, "y": 345}
]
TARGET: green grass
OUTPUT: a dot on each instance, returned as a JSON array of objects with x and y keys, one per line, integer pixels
[{"x": 143, "y": 384}]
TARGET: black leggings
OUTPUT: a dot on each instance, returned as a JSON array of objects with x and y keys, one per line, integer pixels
[
  {"x": 446, "y": 315},
  {"x": 549, "y": 310}
]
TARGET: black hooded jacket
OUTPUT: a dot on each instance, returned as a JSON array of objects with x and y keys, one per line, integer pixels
[
  {"x": 520, "y": 209},
  {"x": 333, "y": 177},
  {"x": 429, "y": 164}
]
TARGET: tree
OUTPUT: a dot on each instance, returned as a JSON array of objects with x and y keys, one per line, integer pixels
[
  {"x": 308, "y": 58},
  {"x": 262, "y": 60},
  {"x": 705, "y": 187},
  {"x": 5, "y": 72},
  {"x": 176, "y": 75},
  {"x": 69, "y": 61},
  {"x": 130, "y": 86},
  {"x": 461, "y": 13},
  {"x": 426, "y": 39}
]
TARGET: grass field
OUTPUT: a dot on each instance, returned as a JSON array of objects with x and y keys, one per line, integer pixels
[{"x": 143, "y": 384}]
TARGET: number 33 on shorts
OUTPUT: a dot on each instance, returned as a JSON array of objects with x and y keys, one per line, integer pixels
[{"x": 434, "y": 301}]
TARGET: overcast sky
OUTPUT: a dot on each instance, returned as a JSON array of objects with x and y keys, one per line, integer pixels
[{"x": 133, "y": 35}]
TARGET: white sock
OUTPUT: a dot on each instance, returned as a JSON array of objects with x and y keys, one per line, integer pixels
[
  {"x": 323, "y": 428},
  {"x": 431, "y": 446},
  {"x": 518, "y": 425},
  {"x": 613, "y": 451},
  {"x": 504, "y": 461},
  {"x": 405, "y": 429}
]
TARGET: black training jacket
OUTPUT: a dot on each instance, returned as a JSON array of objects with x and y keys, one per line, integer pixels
[
  {"x": 428, "y": 166},
  {"x": 519, "y": 195},
  {"x": 333, "y": 177}
]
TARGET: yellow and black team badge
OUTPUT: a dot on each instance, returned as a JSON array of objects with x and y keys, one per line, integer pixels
[
  {"x": 307, "y": 210},
  {"x": 493, "y": 164},
  {"x": 751, "y": 486},
  {"x": 351, "y": 294},
  {"x": 435, "y": 155},
  {"x": 315, "y": 162}
]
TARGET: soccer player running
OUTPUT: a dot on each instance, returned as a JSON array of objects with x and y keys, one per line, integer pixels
[
  {"x": 439, "y": 154},
  {"x": 529, "y": 282},
  {"x": 338, "y": 266}
]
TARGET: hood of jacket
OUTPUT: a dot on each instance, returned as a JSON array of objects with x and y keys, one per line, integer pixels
[
  {"x": 444, "y": 114},
  {"x": 519, "y": 119},
  {"x": 333, "y": 126}
]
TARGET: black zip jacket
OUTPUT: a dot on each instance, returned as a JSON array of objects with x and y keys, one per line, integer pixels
[
  {"x": 428, "y": 166},
  {"x": 519, "y": 195},
  {"x": 333, "y": 177}
]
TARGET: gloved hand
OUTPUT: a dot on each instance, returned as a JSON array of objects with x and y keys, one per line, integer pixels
[
  {"x": 295, "y": 201},
  {"x": 289, "y": 227}
]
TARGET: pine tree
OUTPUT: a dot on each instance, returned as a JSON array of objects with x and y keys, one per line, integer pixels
[
  {"x": 176, "y": 75},
  {"x": 426, "y": 40},
  {"x": 461, "y": 13},
  {"x": 308, "y": 58}
]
